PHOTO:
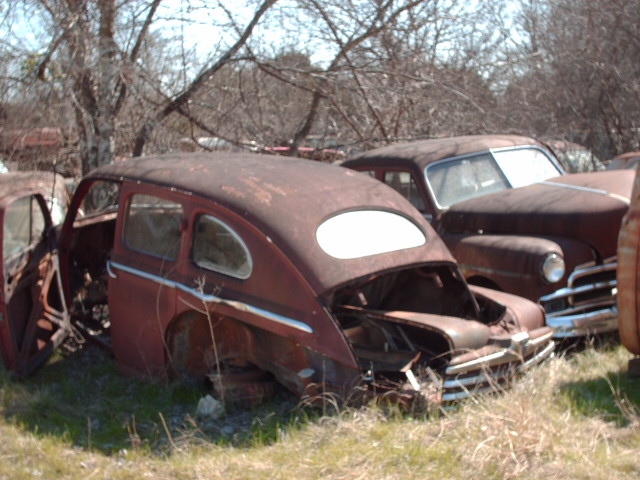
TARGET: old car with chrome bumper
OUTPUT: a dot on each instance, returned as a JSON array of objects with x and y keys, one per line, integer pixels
[
  {"x": 516, "y": 221},
  {"x": 249, "y": 270}
]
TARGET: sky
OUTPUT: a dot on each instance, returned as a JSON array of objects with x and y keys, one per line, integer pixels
[{"x": 200, "y": 34}]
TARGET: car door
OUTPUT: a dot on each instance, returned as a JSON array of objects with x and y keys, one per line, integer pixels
[
  {"x": 33, "y": 318},
  {"x": 143, "y": 273}
]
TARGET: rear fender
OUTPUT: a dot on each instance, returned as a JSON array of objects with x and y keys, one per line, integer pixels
[{"x": 197, "y": 345}]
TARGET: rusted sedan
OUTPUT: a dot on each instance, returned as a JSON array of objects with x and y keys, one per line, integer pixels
[
  {"x": 241, "y": 266},
  {"x": 516, "y": 222}
]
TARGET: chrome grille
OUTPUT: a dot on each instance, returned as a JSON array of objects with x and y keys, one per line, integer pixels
[{"x": 588, "y": 303}]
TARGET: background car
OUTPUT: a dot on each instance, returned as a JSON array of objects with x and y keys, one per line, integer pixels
[
  {"x": 515, "y": 221},
  {"x": 573, "y": 157},
  {"x": 248, "y": 269},
  {"x": 628, "y": 161}
]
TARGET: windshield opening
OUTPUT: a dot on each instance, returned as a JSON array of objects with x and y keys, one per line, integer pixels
[
  {"x": 473, "y": 176},
  {"x": 525, "y": 166}
]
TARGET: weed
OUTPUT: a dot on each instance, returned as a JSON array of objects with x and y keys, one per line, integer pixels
[{"x": 575, "y": 416}]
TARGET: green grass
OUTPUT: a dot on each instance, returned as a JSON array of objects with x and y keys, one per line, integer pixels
[{"x": 576, "y": 416}]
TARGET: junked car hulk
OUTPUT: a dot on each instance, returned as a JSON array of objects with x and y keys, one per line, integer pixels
[
  {"x": 218, "y": 265},
  {"x": 629, "y": 278},
  {"x": 516, "y": 222}
]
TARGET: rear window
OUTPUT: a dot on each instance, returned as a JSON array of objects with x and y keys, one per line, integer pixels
[
  {"x": 363, "y": 233},
  {"x": 217, "y": 247}
]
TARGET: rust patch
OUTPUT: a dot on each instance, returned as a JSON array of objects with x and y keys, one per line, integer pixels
[{"x": 232, "y": 191}]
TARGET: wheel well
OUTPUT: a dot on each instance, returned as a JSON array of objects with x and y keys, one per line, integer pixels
[{"x": 190, "y": 344}]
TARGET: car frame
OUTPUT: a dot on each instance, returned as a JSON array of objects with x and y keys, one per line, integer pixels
[{"x": 248, "y": 270}]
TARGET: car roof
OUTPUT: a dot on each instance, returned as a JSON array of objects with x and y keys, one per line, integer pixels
[
  {"x": 46, "y": 183},
  {"x": 628, "y": 155},
  {"x": 287, "y": 199},
  {"x": 424, "y": 152}
]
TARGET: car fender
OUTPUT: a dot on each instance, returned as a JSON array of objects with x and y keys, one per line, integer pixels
[{"x": 513, "y": 262}]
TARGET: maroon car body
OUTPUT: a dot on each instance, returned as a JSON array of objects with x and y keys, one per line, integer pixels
[
  {"x": 33, "y": 319},
  {"x": 629, "y": 276},
  {"x": 202, "y": 265},
  {"x": 515, "y": 221}
]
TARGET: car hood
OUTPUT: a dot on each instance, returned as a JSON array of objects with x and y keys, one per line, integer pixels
[{"x": 587, "y": 207}]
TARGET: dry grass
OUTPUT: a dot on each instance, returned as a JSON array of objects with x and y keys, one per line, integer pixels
[{"x": 574, "y": 417}]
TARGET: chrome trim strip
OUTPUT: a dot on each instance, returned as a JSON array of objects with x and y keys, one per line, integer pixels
[
  {"x": 571, "y": 291},
  {"x": 487, "y": 376},
  {"x": 484, "y": 377},
  {"x": 450, "y": 397},
  {"x": 518, "y": 350},
  {"x": 236, "y": 237},
  {"x": 500, "y": 357},
  {"x": 624, "y": 200},
  {"x": 610, "y": 265},
  {"x": 539, "y": 357},
  {"x": 537, "y": 341},
  {"x": 601, "y": 321},
  {"x": 206, "y": 298},
  {"x": 605, "y": 304},
  {"x": 493, "y": 271},
  {"x": 111, "y": 273}
]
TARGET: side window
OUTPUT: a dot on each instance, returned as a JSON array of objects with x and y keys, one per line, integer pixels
[
  {"x": 24, "y": 225},
  {"x": 217, "y": 247},
  {"x": 102, "y": 197},
  {"x": 405, "y": 184},
  {"x": 152, "y": 225}
]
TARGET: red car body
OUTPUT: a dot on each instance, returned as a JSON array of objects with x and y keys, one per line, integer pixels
[{"x": 226, "y": 265}]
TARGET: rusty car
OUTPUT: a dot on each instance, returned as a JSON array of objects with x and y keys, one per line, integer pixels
[
  {"x": 629, "y": 278},
  {"x": 31, "y": 204},
  {"x": 223, "y": 265},
  {"x": 627, "y": 161},
  {"x": 573, "y": 157},
  {"x": 516, "y": 221}
]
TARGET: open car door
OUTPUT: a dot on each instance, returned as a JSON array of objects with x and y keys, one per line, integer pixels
[{"x": 34, "y": 319}]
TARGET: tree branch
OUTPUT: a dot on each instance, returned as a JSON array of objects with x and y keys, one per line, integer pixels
[{"x": 178, "y": 102}]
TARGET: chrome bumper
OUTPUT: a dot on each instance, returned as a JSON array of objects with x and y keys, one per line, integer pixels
[
  {"x": 485, "y": 373},
  {"x": 587, "y": 306},
  {"x": 591, "y": 323}
]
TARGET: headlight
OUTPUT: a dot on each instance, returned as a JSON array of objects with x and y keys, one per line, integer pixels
[{"x": 552, "y": 268}]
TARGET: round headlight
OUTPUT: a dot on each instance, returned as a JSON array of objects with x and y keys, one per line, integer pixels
[{"x": 552, "y": 268}]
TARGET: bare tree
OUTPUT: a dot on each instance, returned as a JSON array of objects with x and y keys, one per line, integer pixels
[
  {"x": 384, "y": 70},
  {"x": 102, "y": 48},
  {"x": 362, "y": 72},
  {"x": 580, "y": 77},
  {"x": 177, "y": 103}
]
